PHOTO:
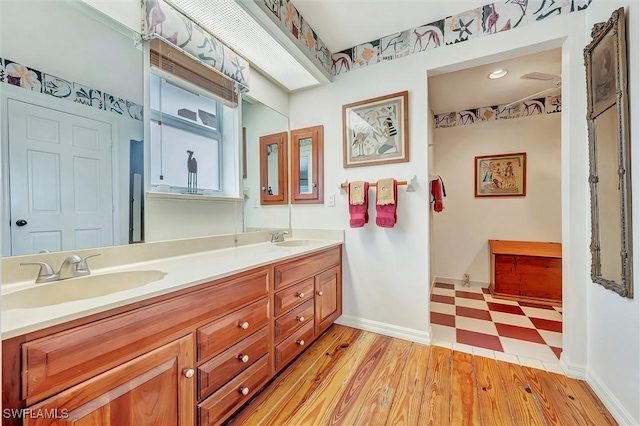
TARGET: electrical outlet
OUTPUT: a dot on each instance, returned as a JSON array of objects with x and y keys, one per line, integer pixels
[
  {"x": 331, "y": 200},
  {"x": 256, "y": 203}
]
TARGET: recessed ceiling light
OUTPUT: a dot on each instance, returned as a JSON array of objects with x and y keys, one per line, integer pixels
[{"x": 498, "y": 74}]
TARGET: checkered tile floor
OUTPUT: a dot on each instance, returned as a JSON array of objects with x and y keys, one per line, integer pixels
[{"x": 469, "y": 319}]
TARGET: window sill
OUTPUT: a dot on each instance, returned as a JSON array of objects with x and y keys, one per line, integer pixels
[{"x": 190, "y": 197}]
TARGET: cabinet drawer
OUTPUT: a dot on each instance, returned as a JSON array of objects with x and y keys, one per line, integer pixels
[
  {"x": 215, "y": 337},
  {"x": 53, "y": 363},
  {"x": 221, "y": 369},
  {"x": 293, "y": 296},
  {"x": 230, "y": 397},
  {"x": 293, "y": 345},
  {"x": 297, "y": 270},
  {"x": 290, "y": 322}
]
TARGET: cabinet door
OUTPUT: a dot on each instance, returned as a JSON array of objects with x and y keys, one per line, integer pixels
[
  {"x": 328, "y": 298},
  {"x": 157, "y": 388}
]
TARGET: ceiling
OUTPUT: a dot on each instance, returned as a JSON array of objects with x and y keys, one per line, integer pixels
[
  {"x": 471, "y": 88},
  {"x": 346, "y": 23}
]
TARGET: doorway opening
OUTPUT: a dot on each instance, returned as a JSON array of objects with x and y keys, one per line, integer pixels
[{"x": 495, "y": 143}]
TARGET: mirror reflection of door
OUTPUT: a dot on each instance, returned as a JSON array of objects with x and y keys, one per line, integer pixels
[
  {"x": 609, "y": 196},
  {"x": 62, "y": 199},
  {"x": 136, "y": 193},
  {"x": 305, "y": 180},
  {"x": 272, "y": 169}
]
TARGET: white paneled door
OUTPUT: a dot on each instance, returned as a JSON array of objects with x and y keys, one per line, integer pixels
[{"x": 60, "y": 178}]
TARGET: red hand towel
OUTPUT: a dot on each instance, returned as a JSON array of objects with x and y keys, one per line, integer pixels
[
  {"x": 436, "y": 192},
  {"x": 359, "y": 213},
  {"x": 386, "y": 214}
]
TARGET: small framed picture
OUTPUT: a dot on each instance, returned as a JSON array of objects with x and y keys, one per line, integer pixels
[
  {"x": 503, "y": 175},
  {"x": 375, "y": 131}
]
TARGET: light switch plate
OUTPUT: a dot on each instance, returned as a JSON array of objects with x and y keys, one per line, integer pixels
[{"x": 331, "y": 200}]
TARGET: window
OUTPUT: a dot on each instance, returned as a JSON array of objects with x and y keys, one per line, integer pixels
[
  {"x": 186, "y": 139},
  {"x": 195, "y": 127}
]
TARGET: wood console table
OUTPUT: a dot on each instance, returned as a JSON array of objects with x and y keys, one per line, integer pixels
[{"x": 527, "y": 271}]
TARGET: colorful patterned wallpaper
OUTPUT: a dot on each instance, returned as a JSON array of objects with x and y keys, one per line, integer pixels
[
  {"x": 548, "y": 105},
  {"x": 162, "y": 19},
  {"x": 486, "y": 20},
  {"x": 293, "y": 22},
  {"x": 38, "y": 81}
]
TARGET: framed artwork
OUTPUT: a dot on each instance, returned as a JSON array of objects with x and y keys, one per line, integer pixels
[
  {"x": 503, "y": 175},
  {"x": 375, "y": 131}
]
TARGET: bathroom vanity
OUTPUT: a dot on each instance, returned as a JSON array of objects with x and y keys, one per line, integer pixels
[{"x": 194, "y": 355}]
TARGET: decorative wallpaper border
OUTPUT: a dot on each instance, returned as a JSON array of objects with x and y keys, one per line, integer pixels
[
  {"x": 486, "y": 20},
  {"x": 539, "y": 106},
  {"x": 162, "y": 19},
  {"x": 19, "y": 75},
  {"x": 307, "y": 38}
]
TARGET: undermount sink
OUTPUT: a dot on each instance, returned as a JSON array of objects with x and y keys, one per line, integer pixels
[
  {"x": 79, "y": 288},
  {"x": 293, "y": 243}
]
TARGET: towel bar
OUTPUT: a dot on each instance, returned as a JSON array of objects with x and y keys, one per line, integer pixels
[{"x": 410, "y": 183}]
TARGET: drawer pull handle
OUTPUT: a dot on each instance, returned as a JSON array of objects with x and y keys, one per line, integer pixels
[
  {"x": 301, "y": 295},
  {"x": 243, "y": 325},
  {"x": 320, "y": 293},
  {"x": 243, "y": 358},
  {"x": 301, "y": 319},
  {"x": 300, "y": 342},
  {"x": 188, "y": 373},
  {"x": 244, "y": 390}
]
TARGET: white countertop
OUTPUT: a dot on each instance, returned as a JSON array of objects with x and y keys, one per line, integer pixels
[{"x": 181, "y": 272}]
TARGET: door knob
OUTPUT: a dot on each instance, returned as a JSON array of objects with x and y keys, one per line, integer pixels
[
  {"x": 188, "y": 373},
  {"x": 21, "y": 222}
]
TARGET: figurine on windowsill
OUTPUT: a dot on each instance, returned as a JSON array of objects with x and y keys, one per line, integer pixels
[{"x": 192, "y": 177}]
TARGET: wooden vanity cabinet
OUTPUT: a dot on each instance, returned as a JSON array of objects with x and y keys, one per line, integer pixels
[
  {"x": 308, "y": 299},
  {"x": 191, "y": 357},
  {"x": 153, "y": 389}
]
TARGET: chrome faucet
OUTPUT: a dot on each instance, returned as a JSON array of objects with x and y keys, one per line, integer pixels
[
  {"x": 46, "y": 274},
  {"x": 74, "y": 266},
  {"x": 278, "y": 237}
]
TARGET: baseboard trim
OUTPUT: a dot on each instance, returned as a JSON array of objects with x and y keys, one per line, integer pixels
[
  {"x": 410, "y": 334},
  {"x": 446, "y": 280},
  {"x": 574, "y": 371},
  {"x": 622, "y": 416}
]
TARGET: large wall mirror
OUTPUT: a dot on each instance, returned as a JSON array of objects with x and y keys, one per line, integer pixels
[
  {"x": 609, "y": 154},
  {"x": 71, "y": 88},
  {"x": 260, "y": 121}
]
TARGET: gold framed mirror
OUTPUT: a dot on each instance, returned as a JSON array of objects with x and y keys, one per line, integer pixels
[{"x": 609, "y": 155}]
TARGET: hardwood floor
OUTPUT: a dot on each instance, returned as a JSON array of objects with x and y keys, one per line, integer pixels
[{"x": 351, "y": 377}]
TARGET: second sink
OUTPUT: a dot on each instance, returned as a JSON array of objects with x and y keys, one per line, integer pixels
[{"x": 78, "y": 289}]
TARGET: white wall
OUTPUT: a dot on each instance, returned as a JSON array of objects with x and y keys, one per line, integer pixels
[
  {"x": 614, "y": 322},
  {"x": 169, "y": 219},
  {"x": 127, "y": 12},
  {"x": 386, "y": 277},
  {"x": 461, "y": 232},
  {"x": 66, "y": 41}
]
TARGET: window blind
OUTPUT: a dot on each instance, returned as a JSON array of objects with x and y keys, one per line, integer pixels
[{"x": 169, "y": 59}]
